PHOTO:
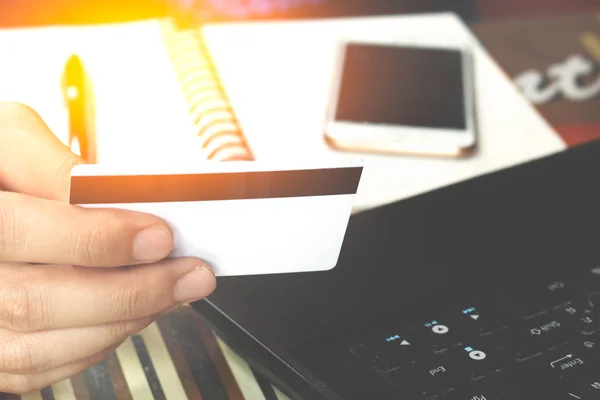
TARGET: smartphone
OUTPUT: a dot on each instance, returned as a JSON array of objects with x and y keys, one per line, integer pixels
[{"x": 394, "y": 97}]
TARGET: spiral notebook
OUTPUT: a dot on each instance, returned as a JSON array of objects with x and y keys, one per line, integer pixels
[
  {"x": 255, "y": 90},
  {"x": 210, "y": 112},
  {"x": 187, "y": 113}
]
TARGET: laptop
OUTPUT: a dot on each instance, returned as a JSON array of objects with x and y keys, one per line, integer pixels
[{"x": 485, "y": 289}]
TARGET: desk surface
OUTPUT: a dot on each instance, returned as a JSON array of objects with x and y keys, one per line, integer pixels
[{"x": 178, "y": 357}]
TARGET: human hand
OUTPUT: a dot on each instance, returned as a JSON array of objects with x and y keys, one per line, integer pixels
[{"x": 103, "y": 276}]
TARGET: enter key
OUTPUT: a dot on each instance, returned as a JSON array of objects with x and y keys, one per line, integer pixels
[{"x": 564, "y": 362}]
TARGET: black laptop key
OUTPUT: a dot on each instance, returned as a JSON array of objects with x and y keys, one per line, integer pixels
[
  {"x": 390, "y": 351},
  {"x": 478, "y": 359},
  {"x": 536, "y": 335},
  {"x": 580, "y": 315},
  {"x": 568, "y": 392},
  {"x": 482, "y": 320},
  {"x": 589, "y": 385},
  {"x": 565, "y": 362},
  {"x": 430, "y": 376},
  {"x": 590, "y": 344},
  {"x": 593, "y": 301},
  {"x": 440, "y": 334},
  {"x": 475, "y": 391},
  {"x": 583, "y": 389},
  {"x": 538, "y": 300},
  {"x": 593, "y": 298}
]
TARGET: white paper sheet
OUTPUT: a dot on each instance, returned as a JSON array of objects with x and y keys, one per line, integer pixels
[{"x": 277, "y": 76}]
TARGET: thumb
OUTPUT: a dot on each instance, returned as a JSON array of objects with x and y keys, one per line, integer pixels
[{"x": 33, "y": 160}]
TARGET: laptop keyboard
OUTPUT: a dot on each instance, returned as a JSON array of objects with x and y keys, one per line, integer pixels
[{"x": 542, "y": 343}]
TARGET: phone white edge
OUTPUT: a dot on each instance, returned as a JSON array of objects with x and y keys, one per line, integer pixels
[{"x": 385, "y": 138}]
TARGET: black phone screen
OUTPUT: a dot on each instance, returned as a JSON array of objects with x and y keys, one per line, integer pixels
[{"x": 411, "y": 86}]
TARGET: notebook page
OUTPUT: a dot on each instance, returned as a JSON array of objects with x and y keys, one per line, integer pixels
[
  {"x": 140, "y": 113},
  {"x": 277, "y": 77}
]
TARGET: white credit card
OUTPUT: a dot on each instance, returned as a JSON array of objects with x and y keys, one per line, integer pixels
[{"x": 243, "y": 218}]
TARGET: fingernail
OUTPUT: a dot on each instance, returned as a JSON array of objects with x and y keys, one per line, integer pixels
[
  {"x": 152, "y": 244},
  {"x": 195, "y": 285}
]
